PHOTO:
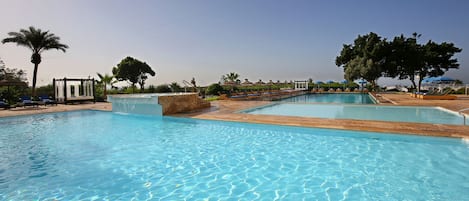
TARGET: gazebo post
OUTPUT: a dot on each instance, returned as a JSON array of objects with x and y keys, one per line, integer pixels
[
  {"x": 55, "y": 90},
  {"x": 94, "y": 93},
  {"x": 65, "y": 90}
]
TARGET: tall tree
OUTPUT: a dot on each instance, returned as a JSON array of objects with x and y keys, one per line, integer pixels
[
  {"x": 365, "y": 58},
  {"x": 106, "y": 80},
  {"x": 2, "y": 70},
  {"x": 38, "y": 41},
  {"x": 133, "y": 71},
  {"x": 410, "y": 60}
]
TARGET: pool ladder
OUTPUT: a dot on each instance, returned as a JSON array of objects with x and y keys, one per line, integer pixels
[{"x": 463, "y": 115}]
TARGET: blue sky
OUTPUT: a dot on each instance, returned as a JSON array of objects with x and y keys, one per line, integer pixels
[{"x": 258, "y": 39}]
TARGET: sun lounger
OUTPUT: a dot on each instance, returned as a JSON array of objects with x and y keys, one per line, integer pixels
[
  {"x": 26, "y": 101},
  {"x": 238, "y": 96},
  {"x": 4, "y": 105},
  {"x": 46, "y": 100}
]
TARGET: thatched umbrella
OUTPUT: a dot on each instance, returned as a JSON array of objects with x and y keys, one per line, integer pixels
[
  {"x": 246, "y": 82},
  {"x": 7, "y": 83}
]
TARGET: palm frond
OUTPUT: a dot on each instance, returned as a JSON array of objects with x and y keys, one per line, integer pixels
[{"x": 35, "y": 39}]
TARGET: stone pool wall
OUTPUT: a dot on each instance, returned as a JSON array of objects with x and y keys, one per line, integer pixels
[{"x": 181, "y": 103}]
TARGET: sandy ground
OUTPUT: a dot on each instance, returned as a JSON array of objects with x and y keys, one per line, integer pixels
[{"x": 227, "y": 110}]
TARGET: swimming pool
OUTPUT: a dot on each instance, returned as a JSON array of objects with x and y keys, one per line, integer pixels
[
  {"x": 88, "y": 155},
  {"x": 346, "y": 98},
  {"x": 433, "y": 115}
]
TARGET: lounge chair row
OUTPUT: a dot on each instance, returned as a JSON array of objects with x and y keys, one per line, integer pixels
[
  {"x": 331, "y": 90},
  {"x": 26, "y": 101}
]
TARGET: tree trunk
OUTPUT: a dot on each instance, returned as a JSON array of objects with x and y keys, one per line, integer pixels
[
  {"x": 105, "y": 92},
  {"x": 420, "y": 82},
  {"x": 413, "y": 84},
  {"x": 33, "y": 94},
  {"x": 412, "y": 79},
  {"x": 36, "y": 60}
]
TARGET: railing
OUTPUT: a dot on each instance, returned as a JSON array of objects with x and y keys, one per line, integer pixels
[
  {"x": 190, "y": 85},
  {"x": 463, "y": 115}
]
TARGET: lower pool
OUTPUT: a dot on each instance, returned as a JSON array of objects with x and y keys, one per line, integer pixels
[
  {"x": 433, "y": 115},
  {"x": 93, "y": 155},
  {"x": 342, "y": 98}
]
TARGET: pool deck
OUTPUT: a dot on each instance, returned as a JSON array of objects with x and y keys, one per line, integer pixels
[
  {"x": 54, "y": 108},
  {"x": 226, "y": 110}
]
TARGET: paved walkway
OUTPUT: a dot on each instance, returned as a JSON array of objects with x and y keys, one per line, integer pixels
[
  {"x": 226, "y": 110},
  {"x": 54, "y": 108}
]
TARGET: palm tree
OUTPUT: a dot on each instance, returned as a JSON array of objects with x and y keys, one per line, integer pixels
[
  {"x": 175, "y": 87},
  {"x": 38, "y": 41},
  {"x": 106, "y": 80},
  {"x": 232, "y": 77}
]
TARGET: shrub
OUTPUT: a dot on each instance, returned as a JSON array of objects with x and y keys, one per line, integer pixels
[
  {"x": 212, "y": 98},
  {"x": 214, "y": 89},
  {"x": 150, "y": 89},
  {"x": 45, "y": 90},
  {"x": 164, "y": 88}
]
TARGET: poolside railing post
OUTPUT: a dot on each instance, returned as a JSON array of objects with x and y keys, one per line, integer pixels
[{"x": 65, "y": 90}]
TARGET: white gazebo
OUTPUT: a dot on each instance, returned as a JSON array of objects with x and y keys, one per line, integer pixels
[
  {"x": 68, "y": 90},
  {"x": 301, "y": 85}
]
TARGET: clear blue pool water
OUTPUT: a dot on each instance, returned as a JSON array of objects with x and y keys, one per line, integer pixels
[
  {"x": 433, "y": 115},
  {"x": 344, "y": 98},
  {"x": 91, "y": 155}
]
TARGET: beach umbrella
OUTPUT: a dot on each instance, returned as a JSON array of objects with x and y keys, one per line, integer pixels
[
  {"x": 428, "y": 80},
  {"x": 362, "y": 81},
  {"x": 437, "y": 80},
  {"x": 246, "y": 82},
  {"x": 319, "y": 82},
  {"x": 443, "y": 79}
]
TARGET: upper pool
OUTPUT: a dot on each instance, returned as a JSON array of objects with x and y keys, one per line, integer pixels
[
  {"x": 92, "y": 155},
  {"x": 435, "y": 115},
  {"x": 344, "y": 98}
]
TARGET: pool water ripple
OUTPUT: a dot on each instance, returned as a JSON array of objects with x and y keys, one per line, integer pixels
[{"x": 100, "y": 155}]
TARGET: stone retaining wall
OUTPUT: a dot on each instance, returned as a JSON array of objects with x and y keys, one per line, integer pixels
[{"x": 181, "y": 103}]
